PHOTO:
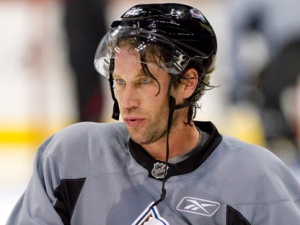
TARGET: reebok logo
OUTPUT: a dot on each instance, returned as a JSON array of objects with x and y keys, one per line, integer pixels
[{"x": 198, "y": 206}]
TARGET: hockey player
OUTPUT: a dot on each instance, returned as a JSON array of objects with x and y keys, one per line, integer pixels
[{"x": 158, "y": 166}]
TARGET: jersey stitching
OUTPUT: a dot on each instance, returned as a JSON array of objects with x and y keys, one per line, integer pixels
[
  {"x": 267, "y": 202},
  {"x": 63, "y": 162}
]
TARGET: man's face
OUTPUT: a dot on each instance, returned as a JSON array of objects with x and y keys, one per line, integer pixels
[{"x": 144, "y": 107}]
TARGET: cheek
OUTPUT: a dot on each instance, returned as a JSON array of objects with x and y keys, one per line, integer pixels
[
  {"x": 153, "y": 103},
  {"x": 117, "y": 93},
  {"x": 159, "y": 103}
]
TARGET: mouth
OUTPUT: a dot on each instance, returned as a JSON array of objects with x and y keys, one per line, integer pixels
[{"x": 133, "y": 121}]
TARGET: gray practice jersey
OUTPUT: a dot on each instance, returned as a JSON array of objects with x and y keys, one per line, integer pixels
[{"x": 94, "y": 174}]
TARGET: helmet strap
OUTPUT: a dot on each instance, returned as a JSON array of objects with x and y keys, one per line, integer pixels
[
  {"x": 116, "y": 109},
  {"x": 172, "y": 106}
]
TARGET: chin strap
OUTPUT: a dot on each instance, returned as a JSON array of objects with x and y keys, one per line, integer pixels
[{"x": 172, "y": 107}]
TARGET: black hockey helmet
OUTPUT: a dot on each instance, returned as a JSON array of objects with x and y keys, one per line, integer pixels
[{"x": 183, "y": 32}]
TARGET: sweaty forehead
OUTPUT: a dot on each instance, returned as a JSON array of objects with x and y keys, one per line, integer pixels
[
  {"x": 127, "y": 57},
  {"x": 132, "y": 68},
  {"x": 125, "y": 67},
  {"x": 129, "y": 52}
]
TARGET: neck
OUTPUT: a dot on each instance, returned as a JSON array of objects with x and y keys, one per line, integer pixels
[{"x": 182, "y": 139}]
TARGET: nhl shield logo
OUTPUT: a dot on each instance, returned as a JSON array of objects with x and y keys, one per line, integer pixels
[{"x": 158, "y": 170}]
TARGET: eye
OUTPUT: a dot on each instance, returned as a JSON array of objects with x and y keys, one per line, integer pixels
[
  {"x": 119, "y": 81},
  {"x": 145, "y": 80}
]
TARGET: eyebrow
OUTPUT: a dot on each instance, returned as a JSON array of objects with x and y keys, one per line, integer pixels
[{"x": 140, "y": 74}]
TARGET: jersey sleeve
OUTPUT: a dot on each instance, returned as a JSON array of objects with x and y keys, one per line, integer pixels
[
  {"x": 276, "y": 199},
  {"x": 35, "y": 206},
  {"x": 286, "y": 212},
  {"x": 283, "y": 210}
]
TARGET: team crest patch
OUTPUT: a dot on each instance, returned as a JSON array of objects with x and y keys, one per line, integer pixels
[
  {"x": 197, "y": 14},
  {"x": 150, "y": 216},
  {"x": 158, "y": 170}
]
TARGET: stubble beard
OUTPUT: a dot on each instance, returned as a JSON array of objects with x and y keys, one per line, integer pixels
[{"x": 155, "y": 131}]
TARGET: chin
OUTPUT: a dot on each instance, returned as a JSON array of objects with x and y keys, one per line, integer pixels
[{"x": 140, "y": 139}]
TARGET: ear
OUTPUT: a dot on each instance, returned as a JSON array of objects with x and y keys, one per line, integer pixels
[{"x": 190, "y": 83}]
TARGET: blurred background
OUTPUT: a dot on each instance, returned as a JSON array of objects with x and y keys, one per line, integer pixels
[{"x": 47, "y": 79}]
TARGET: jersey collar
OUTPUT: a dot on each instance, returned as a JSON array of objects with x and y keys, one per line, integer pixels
[{"x": 186, "y": 166}]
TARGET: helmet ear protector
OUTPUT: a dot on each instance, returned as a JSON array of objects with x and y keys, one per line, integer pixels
[{"x": 177, "y": 34}]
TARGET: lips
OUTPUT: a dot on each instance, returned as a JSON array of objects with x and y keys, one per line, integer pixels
[{"x": 133, "y": 121}]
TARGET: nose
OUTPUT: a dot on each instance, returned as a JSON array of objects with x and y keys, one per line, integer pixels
[{"x": 128, "y": 97}]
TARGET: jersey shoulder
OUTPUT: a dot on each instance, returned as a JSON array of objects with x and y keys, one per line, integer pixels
[
  {"x": 253, "y": 173},
  {"x": 87, "y": 146}
]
